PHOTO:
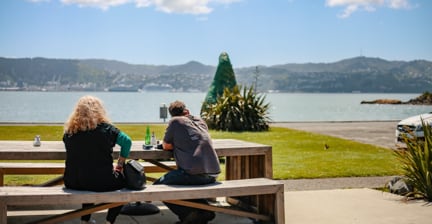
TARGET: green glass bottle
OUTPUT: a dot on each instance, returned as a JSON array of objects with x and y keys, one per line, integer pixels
[{"x": 147, "y": 136}]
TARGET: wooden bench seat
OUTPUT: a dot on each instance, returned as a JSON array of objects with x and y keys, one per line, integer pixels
[
  {"x": 265, "y": 189},
  {"x": 27, "y": 168}
]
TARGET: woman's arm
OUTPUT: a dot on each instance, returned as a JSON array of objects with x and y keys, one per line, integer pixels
[{"x": 125, "y": 144}]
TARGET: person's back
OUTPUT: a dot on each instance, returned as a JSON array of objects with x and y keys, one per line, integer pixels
[
  {"x": 193, "y": 149},
  {"x": 197, "y": 161},
  {"x": 89, "y": 164},
  {"x": 89, "y": 139}
]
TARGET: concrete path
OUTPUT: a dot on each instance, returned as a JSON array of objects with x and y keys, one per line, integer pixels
[
  {"x": 381, "y": 133},
  {"x": 336, "y": 183},
  {"x": 340, "y": 206},
  {"x": 353, "y": 206}
]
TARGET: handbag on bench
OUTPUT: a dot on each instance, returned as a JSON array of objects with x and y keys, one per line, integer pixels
[{"x": 134, "y": 175}]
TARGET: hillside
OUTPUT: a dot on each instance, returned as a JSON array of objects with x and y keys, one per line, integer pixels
[{"x": 360, "y": 74}]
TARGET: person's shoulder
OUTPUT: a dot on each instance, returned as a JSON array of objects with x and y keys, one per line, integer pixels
[
  {"x": 105, "y": 126},
  {"x": 177, "y": 119},
  {"x": 196, "y": 118},
  {"x": 181, "y": 121},
  {"x": 108, "y": 128}
]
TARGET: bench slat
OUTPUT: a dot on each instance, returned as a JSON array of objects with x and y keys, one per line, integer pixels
[
  {"x": 59, "y": 195},
  {"x": 58, "y": 168},
  {"x": 75, "y": 214},
  {"x": 10, "y": 168},
  {"x": 220, "y": 209}
]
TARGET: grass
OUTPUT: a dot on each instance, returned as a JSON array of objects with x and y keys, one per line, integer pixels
[
  {"x": 18, "y": 180},
  {"x": 296, "y": 154}
]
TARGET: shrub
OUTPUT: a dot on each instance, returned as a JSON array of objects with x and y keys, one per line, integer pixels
[
  {"x": 234, "y": 111},
  {"x": 417, "y": 163}
]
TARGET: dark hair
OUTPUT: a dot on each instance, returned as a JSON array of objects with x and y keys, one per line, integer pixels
[{"x": 176, "y": 108}]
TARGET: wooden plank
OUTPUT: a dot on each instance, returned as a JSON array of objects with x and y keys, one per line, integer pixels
[
  {"x": 163, "y": 165},
  {"x": 221, "y": 209},
  {"x": 228, "y": 171},
  {"x": 74, "y": 214},
  {"x": 280, "y": 206},
  {"x": 256, "y": 169},
  {"x": 268, "y": 164},
  {"x": 32, "y": 170},
  {"x": 245, "y": 167},
  {"x": 58, "y": 168},
  {"x": 136, "y": 145},
  {"x": 1, "y": 177},
  {"x": 59, "y": 195},
  {"x": 3, "y": 212},
  {"x": 54, "y": 150}
]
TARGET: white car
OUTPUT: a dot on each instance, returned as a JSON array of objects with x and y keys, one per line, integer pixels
[{"x": 411, "y": 127}]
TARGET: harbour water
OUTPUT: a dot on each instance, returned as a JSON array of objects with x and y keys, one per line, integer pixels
[{"x": 40, "y": 107}]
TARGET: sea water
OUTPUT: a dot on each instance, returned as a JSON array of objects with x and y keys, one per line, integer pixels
[{"x": 55, "y": 107}]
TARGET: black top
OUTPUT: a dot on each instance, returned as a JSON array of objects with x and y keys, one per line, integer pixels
[{"x": 89, "y": 161}]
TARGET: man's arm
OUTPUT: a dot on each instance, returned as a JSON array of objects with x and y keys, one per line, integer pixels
[{"x": 167, "y": 146}]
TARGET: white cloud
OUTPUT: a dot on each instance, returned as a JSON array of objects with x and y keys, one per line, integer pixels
[
  {"x": 352, "y": 6},
  {"x": 195, "y": 7},
  {"x": 103, "y": 4},
  {"x": 398, "y": 4},
  {"x": 38, "y": 0},
  {"x": 175, "y": 6}
]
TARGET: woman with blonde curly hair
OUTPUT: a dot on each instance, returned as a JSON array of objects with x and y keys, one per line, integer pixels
[{"x": 89, "y": 138}]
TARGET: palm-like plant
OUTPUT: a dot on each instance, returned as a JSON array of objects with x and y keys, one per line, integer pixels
[
  {"x": 238, "y": 109},
  {"x": 417, "y": 163}
]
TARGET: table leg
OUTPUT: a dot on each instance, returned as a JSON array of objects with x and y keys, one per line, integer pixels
[{"x": 246, "y": 167}]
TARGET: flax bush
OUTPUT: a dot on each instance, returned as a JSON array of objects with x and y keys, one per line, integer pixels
[
  {"x": 238, "y": 109},
  {"x": 416, "y": 162}
]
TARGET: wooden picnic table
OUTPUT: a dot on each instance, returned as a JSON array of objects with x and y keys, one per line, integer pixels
[{"x": 243, "y": 160}]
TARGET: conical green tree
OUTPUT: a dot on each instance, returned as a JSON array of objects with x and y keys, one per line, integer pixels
[{"x": 224, "y": 78}]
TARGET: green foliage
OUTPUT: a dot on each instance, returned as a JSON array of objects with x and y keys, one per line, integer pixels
[
  {"x": 234, "y": 111},
  {"x": 224, "y": 78},
  {"x": 417, "y": 163}
]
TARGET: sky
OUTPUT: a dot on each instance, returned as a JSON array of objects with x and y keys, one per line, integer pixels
[{"x": 252, "y": 32}]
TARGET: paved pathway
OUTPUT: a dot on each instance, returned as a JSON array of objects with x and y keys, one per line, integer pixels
[
  {"x": 381, "y": 133},
  {"x": 336, "y": 183}
]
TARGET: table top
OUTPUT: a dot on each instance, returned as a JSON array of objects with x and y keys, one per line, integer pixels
[{"x": 54, "y": 150}]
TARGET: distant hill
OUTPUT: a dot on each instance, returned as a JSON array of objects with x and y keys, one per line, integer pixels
[{"x": 360, "y": 74}]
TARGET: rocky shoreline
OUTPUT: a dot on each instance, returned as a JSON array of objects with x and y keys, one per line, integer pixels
[{"x": 424, "y": 99}]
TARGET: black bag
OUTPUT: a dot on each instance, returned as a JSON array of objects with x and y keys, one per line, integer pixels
[{"x": 134, "y": 175}]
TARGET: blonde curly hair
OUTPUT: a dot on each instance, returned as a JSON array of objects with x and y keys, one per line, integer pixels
[{"x": 88, "y": 113}]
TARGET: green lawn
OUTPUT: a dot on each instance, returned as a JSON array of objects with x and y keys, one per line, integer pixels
[{"x": 296, "y": 154}]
